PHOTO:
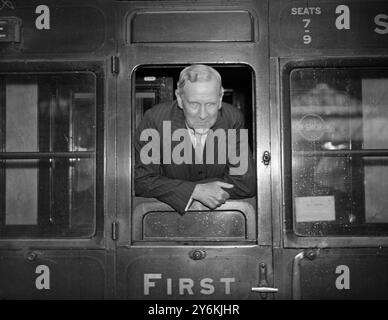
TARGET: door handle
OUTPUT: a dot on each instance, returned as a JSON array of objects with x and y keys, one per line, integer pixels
[
  {"x": 266, "y": 158},
  {"x": 264, "y": 289},
  {"x": 296, "y": 289}
]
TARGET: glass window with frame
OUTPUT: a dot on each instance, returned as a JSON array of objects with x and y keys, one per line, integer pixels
[
  {"x": 47, "y": 154},
  {"x": 339, "y": 141}
]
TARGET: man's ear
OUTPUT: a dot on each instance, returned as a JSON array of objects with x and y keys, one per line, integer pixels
[
  {"x": 178, "y": 99},
  {"x": 221, "y": 96}
]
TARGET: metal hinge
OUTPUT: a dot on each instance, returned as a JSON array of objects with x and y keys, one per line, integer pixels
[
  {"x": 115, "y": 64},
  {"x": 115, "y": 230}
]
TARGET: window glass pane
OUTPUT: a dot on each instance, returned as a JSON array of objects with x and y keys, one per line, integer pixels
[
  {"x": 339, "y": 125},
  {"x": 21, "y": 116},
  {"x": 21, "y": 134},
  {"x": 45, "y": 112},
  {"x": 21, "y": 192}
]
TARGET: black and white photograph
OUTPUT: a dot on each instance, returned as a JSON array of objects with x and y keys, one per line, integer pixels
[{"x": 191, "y": 156}]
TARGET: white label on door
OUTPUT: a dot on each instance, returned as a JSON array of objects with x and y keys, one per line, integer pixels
[{"x": 309, "y": 209}]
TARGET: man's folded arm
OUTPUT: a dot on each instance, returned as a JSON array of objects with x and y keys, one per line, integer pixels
[
  {"x": 174, "y": 192},
  {"x": 244, "y": 183}
]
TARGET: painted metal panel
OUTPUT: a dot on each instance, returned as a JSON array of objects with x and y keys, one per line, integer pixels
[
  {"x": 320, "y": 25},
  {"x": 64, "y": 29},
  {"x": 181, "y": 273},
  {"x": 346, "y": 274},
  {"x": 328, "y": 28},
  {"x": 43, "y": 274},
  {"x": 191, "y": 26}
]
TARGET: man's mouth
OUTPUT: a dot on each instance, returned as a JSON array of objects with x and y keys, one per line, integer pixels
[{"x": 202, "y": 124}]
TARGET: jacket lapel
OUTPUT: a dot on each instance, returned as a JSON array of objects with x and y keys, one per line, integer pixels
[{"x": 178, "y": 122}]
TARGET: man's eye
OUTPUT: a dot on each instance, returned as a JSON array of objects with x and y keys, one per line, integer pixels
[
  {"x": 211, "y": 105},
  {"x": 194, "y": 105}
]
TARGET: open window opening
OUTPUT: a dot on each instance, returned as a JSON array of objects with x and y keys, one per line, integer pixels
[
  {"x": 156, "y": 85},
  {"x": 154, "y": 220}
]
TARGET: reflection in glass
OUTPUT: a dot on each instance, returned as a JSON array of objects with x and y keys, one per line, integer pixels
[{"x": 339, "y": 120}]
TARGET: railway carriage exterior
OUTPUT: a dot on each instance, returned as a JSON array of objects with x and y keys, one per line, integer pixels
[{"x": 309, "y": 77}]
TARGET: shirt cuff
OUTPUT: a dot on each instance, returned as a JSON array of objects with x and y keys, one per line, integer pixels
[{"x": 189, "y": 203}]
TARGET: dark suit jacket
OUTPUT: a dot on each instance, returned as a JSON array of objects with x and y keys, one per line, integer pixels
[{"x": 174, "y": 183}]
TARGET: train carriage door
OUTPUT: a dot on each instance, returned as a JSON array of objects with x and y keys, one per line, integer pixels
[
  {"x": 49, "y": 181},
  {"x": 53, "y": 96},
  {"x": 331, "y": 71},
  {"x": 203, "y": 254}
]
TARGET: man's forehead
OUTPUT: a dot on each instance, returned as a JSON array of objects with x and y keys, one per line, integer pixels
[{"x": 209, "y": 87}]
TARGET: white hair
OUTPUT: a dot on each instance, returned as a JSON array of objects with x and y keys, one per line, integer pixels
[{"x": 198, "y": 72}]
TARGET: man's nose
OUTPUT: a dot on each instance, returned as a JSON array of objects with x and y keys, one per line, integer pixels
[{"x": 203, "y": 113}]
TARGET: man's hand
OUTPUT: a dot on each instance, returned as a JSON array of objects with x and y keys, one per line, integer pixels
[{"x": 212, "y": 194}]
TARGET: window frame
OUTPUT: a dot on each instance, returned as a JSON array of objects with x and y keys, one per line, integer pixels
[
  {"x": 290, "y": 237},
  {"x": 252, "y": 234},
  {"x": 52, "y": 67}
]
